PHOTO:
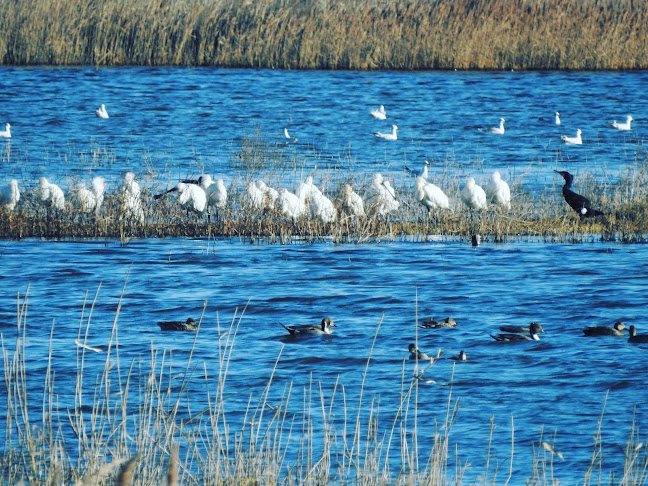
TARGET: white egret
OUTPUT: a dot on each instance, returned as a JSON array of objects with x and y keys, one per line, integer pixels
[
  {"x": 9, "y": 195},
  {"x": 473, "y": 195},
  {"x": 498, "y": 190}
]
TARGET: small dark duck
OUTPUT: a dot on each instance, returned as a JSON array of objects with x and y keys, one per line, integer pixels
[
  {"x": 460, "y": 357},
  {"x": 637, "y": 338},
  {"x": 534, "y": 329},
  {"x": 188, "y": 325},
  {"x": 325, "y": 327},
  {"x": 430, "y": 323},
  {"x": 520, "y": 329},
  {"x": 616, "y": 330}
]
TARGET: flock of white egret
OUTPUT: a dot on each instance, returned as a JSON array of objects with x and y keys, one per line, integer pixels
[{"x": 307, "y": 201}]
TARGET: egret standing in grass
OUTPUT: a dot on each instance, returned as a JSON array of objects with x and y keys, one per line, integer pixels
[
  {"x": 88, "y": 200},
  {"x": 290, "y": 205},
  {"x": 130, "y": 198},
  {"x": 498, "y": 190},
  {"x": 351, "y": 202},
  {"x": 9, "y": 195},
  {"x": 381, "y": 197},
  {"x": 430, "y": 195},
  {"x": 191, "y": 197},
  {"x": 473, "y": 195},
  {"x": 50, "y": 195}
]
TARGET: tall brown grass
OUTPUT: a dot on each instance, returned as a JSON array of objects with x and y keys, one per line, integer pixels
[
  {"x": 322, "y": 34},
  {"x": 133, "y": 424}
]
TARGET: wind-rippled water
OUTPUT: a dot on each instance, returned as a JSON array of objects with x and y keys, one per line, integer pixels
[{"x": 177, "y": 122}]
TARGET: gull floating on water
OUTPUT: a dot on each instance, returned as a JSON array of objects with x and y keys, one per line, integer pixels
[
  {"x": 422, "y": 172},
  {"x": 621, "y": 125},
  {"x": 6, "y": 133},
  {"x": 497, "y": 130},
  {"x": 557, "y": 118},
  {"x": 380, "y": 113},
  {"x": 498, "y": 190},
  {"x": 9, "y": 195},
  {"x": 388, "y": 136},
  {"x": 102, "y": 112},
  {"x": 288, "y": 137},
  {"x": 577, "y": 140}
]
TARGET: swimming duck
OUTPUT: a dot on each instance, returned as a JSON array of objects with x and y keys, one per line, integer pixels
[
  {"x": 534, "y": 329},
  {"x": 616, "y": 330},
  {"x": 637, "y": 338},
  {"x": 188, "y": 325},
  {"x": 416, "y": 353},
  {"x": 430, "y": 323},
  {"x": 521, "y": 329},
  {"x": 312, "y": 329},
  {"x": 460, "y": 357}
]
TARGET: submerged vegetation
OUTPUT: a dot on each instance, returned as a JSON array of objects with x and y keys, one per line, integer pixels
[
  {"x": 320, "y": 34},
  {"x": 165, "y": 420}
]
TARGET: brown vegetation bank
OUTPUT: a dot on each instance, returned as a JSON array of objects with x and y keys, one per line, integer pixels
[{"x": 324, "y": 34}]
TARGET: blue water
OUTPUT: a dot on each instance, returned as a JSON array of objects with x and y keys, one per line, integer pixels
[{"x": 170, "y": 123}]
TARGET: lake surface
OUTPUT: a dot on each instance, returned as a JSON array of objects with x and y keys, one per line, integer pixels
[{"x": 167, "y": 124}]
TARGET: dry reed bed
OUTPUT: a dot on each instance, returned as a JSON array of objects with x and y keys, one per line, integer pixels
[
  {"x": 349, "y": 34},
  {"x": 135, "y": 425}
]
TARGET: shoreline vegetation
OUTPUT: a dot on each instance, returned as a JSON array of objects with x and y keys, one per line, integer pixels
[
  {"x": 322, "y": 34},
  {"x": 538, "y": 215},
  {"x": 136, "y": 423}
]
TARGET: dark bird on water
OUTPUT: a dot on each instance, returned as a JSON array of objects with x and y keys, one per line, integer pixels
[
  {"x": 616, "y": 330},
  {"x": 578, "y": 203},
  {"x": 637, "y": 338},
  {"x": 188, "y": 325}
]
